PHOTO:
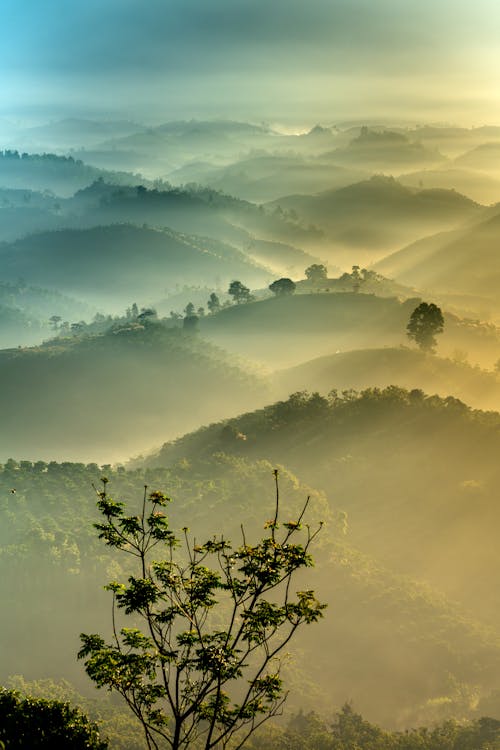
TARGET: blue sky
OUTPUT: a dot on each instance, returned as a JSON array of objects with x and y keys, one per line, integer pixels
[{"x": 157, "y": 59}]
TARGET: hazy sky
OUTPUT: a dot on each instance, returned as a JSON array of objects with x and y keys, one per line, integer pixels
[{"x": 294, "y": 60}]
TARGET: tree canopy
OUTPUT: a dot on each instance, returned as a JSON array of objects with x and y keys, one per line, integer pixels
[
  {"x": 239, "y": 292},
  {"x": 39, "y": 724},
  {"x": 281, "y": 287},
  {"x": 426, "y": 321}
]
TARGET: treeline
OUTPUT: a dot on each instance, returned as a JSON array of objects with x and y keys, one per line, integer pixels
[{"x": 349, "y": 731}]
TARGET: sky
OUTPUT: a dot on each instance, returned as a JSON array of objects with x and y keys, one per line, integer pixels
[{"x": 291, "y": 60}]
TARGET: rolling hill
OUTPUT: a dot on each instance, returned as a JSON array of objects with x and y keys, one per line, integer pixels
[
  {"x": 398, "y": 649},
  {"x": 288, "y": 330},
  {"x": 385, "y": 149},
  {"x": 115, "y": 394},
  {"x": 417, "y": 476},
  {"x": 117, "y": 264},
  {"x": 373, "y": 216},
  {"x": 463, "y": 262},
  {"x": 266, "y": 177},
  {"x": 380, "y": 368}
]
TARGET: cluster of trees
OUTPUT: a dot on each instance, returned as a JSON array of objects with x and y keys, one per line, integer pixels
[
  {"x": 349, "y": 731},
  {"x": 13, "y": 154}
]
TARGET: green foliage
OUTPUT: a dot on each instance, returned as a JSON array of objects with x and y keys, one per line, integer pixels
[
  {"x": 214, "y": 618},
  {"x": 239, "y": 292},
  {"x": 213, "y": 303},
  {"x": 349, "y": 731},
  {"x": 426, "y": 321},
  {"x": 39, "y": 724},
  {"x": 316, "y": 272},
  {"x": 282, "y": 286}
]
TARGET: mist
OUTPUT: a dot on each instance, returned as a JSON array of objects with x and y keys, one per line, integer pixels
[{"x": 241, "y": 237}]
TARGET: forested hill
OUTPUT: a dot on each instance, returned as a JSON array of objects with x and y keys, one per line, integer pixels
[
  {"x": 62, "y": 175},
  {"x": 120, "y": 261},
  {"x": 380, "y": 367},
  {"x": 406, "y": 467},
  {"x": 400, "y": 651},
  {"x": 115, "y": 393}
]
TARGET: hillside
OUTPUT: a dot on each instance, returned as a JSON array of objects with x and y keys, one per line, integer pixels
[
  {"x": 417, "y": 476},
  {"x": 25, "y": 313},
  {"x": 379, "y": 214},
  {"x": 461, "y": 262},
  {"x": 115, "y": 394},
  {"x": 409, "y": 368},
  {"x": 476, "y": 185},
  {"x": 62, "y": 175},
  {"x": 273, "y": 237},
  {"x": 285, "y": 331},
  {"x": 116, "y": 264},
  {"x": 267, "y": 176},
  {"x": 484, "y": 157},
  {"x": 385, "y": 149},
  {"x": 380, "y": 629}
]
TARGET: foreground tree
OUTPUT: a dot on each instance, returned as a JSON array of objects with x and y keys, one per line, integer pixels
[
  {"x": 426, "y": 321},
  {"x": 204, "y": 669},
  {"x": 282, "y": 287}
]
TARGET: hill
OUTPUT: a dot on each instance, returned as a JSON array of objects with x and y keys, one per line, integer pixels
[
  {"x": 25, "y": 313},
  {"x": 62, "y": 175},
  {"x": 195, "y": 210},
  {"x": 379, "y": 214},
  {"x": 115, "y": 394},
  {"x": 384, "y": 149},
  {"x": 476, "y": 185},
  {"x": 380, "y": 368},
  {"x": 192, "y": 210},
  {"x": 267, "y": 176},
  {"x": 119, "y": 263},
  {"x": 288, "y": 330},
  {"x": 483, "y": 157},
  {"x": 417, "y": 476},
  {"x": 379, "y": 631},
  {"x": 461, "y": 262}
]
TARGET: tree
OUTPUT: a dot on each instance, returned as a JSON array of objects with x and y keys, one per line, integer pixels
[
  {"x": 35, "y": 723},
  {"x": 316, "y": 273},
  {"x": 282, "y": 287},
  {"x": 356, "y": 278},
  {"x": 147, "y": 314},
  {"x": 213, "y": 303},
  {"x": 204, "y": 669},
  {"x": 239, "y": 292},
  {"x": 54, "y": 321},
  {"x": 426, "y": 321}
]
